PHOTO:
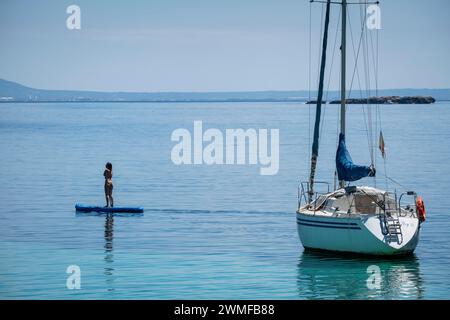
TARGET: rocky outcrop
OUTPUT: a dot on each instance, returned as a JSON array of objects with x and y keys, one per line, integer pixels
[{"x": 390, "y": 100}]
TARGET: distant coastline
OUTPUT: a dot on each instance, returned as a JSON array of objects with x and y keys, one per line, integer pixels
[{"x": 12, "y": 92}]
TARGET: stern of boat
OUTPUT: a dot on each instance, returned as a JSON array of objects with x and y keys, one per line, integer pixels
[{"x": 393, "y": 230}]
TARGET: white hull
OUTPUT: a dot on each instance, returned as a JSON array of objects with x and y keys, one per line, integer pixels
[{"x": 362, "y": 234}]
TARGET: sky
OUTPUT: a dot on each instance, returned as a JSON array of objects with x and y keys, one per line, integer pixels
[{"x": 209, "y": 45}]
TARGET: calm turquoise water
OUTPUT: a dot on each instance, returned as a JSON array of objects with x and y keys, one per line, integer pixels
[{"x": 208, "y": 232}]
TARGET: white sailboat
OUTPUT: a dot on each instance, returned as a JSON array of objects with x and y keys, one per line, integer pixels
[{"x": 354, "y": 219}]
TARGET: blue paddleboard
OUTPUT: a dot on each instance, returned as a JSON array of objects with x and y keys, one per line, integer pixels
[{"x": 83, "y": 208}]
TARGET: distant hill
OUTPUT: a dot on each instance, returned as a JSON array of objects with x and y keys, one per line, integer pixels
[{"x": 15, "y": 92}]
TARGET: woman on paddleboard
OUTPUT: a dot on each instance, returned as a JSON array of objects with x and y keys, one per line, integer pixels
[{"x": 108, "y": 185}]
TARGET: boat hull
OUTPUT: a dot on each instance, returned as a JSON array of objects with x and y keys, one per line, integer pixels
[{"x": 361, "y": 235}]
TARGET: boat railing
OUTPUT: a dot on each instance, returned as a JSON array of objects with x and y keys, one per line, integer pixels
[
  {"x": 405, "y": 205},
  {"x": 304, "y": 192},
  {"x": 400, "y": 206},
  {"x": 390, "y": 205}
]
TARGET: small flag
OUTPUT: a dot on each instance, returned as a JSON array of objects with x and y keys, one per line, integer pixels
[{"x": 381, "y": 145}]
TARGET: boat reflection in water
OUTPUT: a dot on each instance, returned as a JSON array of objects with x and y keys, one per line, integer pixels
[
  {"x": 331, "y": 276},
  {"x": 109, "y": 255}
]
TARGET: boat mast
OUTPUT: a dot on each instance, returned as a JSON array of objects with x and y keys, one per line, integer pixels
[
  {"x": 315, "y": 146},
  {"x": 343, "y": 63}
]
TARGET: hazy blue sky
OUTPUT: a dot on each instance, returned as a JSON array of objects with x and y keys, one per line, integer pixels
[{"x": 206, "y": 45}]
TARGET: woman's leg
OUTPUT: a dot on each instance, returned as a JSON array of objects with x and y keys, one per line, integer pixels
[
  {"x": 106, "y": 196},
  {"x": 111, "y": 200}
]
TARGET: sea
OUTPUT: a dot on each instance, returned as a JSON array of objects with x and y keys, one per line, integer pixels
[{"x": 208, "y": 231}]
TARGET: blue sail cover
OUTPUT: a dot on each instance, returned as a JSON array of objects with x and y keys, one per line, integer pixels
[{"x": 346, "y": 169}]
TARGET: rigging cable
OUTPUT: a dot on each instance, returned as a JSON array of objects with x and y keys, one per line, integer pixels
[
  {"x": 329, "y": 77},
  {"x": 368, "y": 107},
  {"x": 356, "y": 72},
  {"x": 378, "y": 128},
  {"x": 309, "y": 87}
]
